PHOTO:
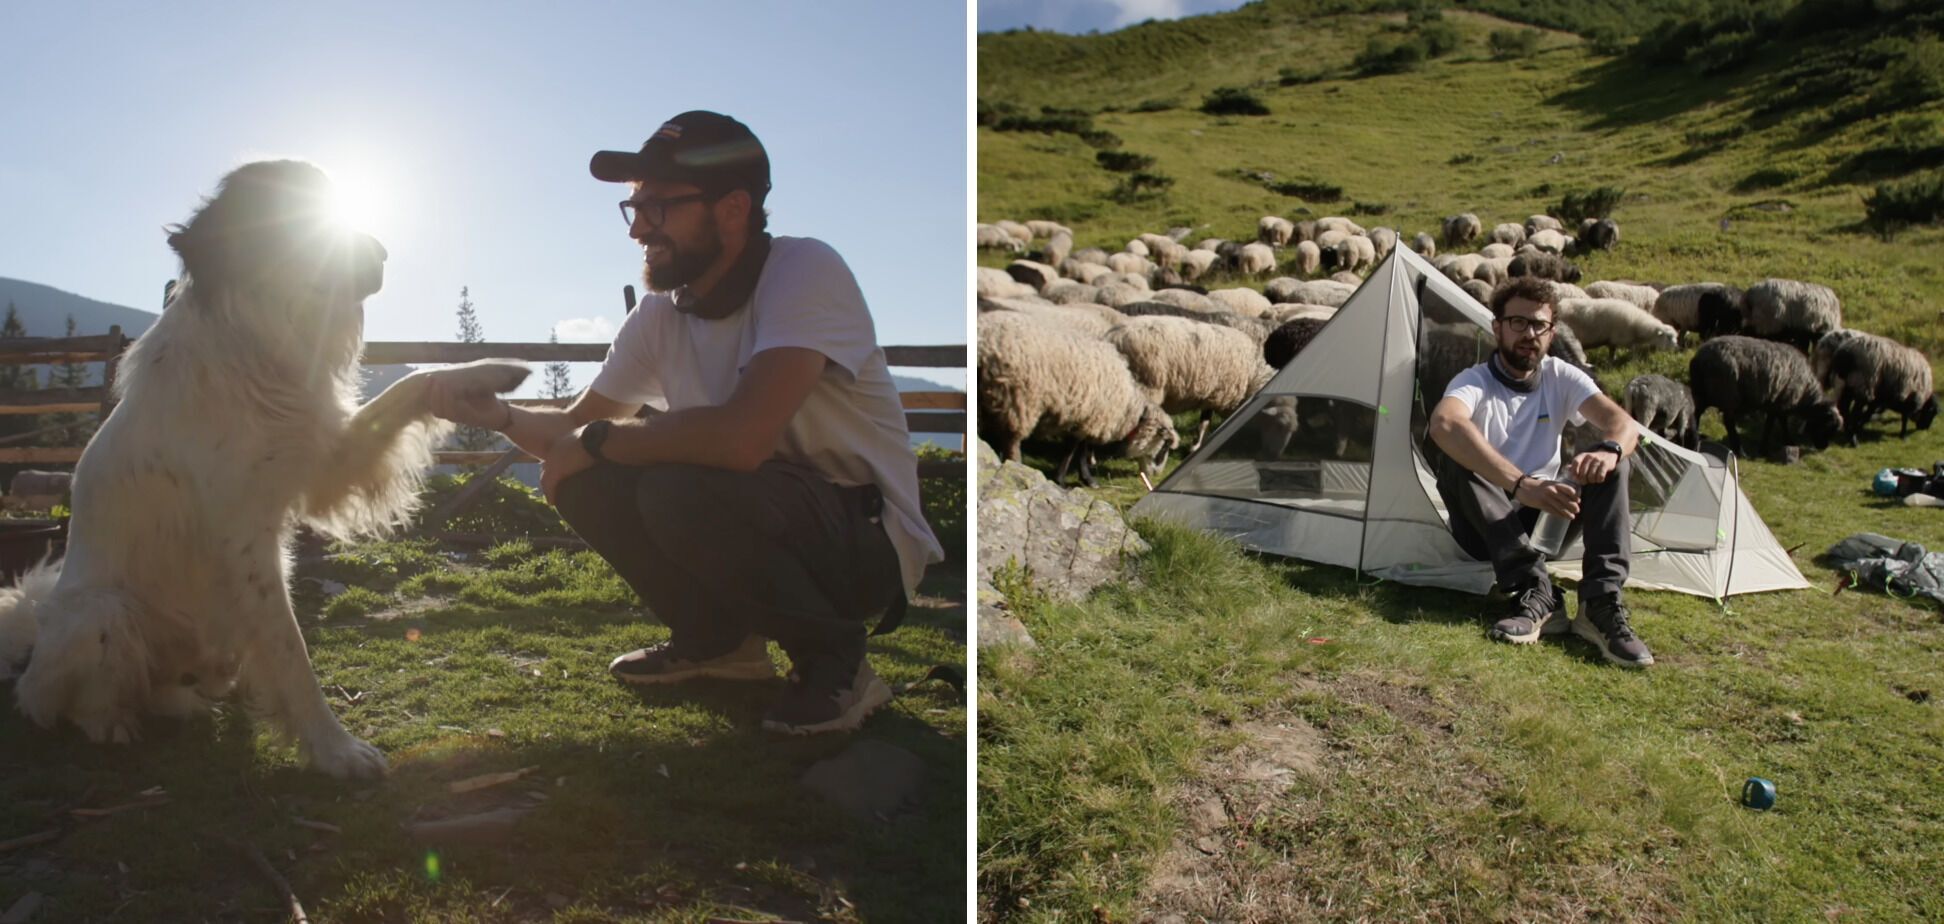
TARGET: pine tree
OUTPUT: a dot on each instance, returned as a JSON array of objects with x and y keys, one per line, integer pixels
[
  {"x": 472, "y": 439},
  {"x": 560, "y": 382},
  {"x": 72, "y": 377},
  {"x": 16, "y": 378}
]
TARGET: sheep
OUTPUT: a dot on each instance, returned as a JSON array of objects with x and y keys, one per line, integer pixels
[
  {"x": 1566, "y": 346},
  {"x": 1462, "y": 229},
  {"x": 1478, "y": 289},
  {"x": 1347, "y": 278},
  {"x": 1255, "y": 259},
  {"x": 1568, "y": 290},
  {"x": 1602, "y": 234},
  {"x": 1256, "y": 328},
  {"x": 1187, "y": 366},
  {"x": 1070, "y": 292},
  {"x": 1196, "y": 263},
  {"x": 1642, "y": 297},
  {"x": 1545, "y": 266},
  {"x": 1460, "y": 267},
  {"x": 996, "y": 283},
  {"x": 1134, "y": 280},
  {"x": 1875, "y": 374},
  {"x": 1242, "y": 301},
  {"x": 1495, "y": 250},
  {"x": 1511, "y": 233},
  {"x": 1328, "y": 238},
  {"x": 1130, "y": 263},
  {"x": 1038, "y": 380},
  {"x": 1384, "y": 240},
  {"x": 1313, "y": 292},
  {"x": 1340, "y": 224},
  {"x": 1285, "y": 312},
  {"x": 1115, "y": 295},
  {"x": 1089, "y": 273},
  {"x": 1289, "y": 339},
  {"x": 1166, "y": 253},
  {"x": 1087, "y": 320},
  {"x": 1047, "y": 229},
  {"x": 1741, "y": 375},
  {"x": 1305, "y": 231},
  {"x": 1537, "y": 223},
  {"x": 1793, "y": 312},
  {"x": 1663, "y": 406},
  {"x": 1309, "y": 259},
  {"x": 1425, "y": 245},
  {"x": 1058, "y": 245},
  {"x": 1154, "y": 241},
  {"x": 1355, "y": 253},
  {"x": 1493, "y": 269},
  {"x": 1549, "y": 241},
  {"x": 1093, "y": 255},
  {"x": 1037, "y": 275},
  {"x": 1019, "y": 232},
  {"x": 1825, "y": 353},
  {"x": 1211, "y": 244},
  {"x": 1710, "y": 309},
  {"x": 992, "y": 237},
  {"x": 1274, "y": 231},
  {"x": 1187, "y": 299},
  {"x": 1612, "y": 323},
  {"x": 1136, "y": 247}
]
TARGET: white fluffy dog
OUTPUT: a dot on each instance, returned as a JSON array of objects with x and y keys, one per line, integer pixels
[{"x": 237, "y": 422}]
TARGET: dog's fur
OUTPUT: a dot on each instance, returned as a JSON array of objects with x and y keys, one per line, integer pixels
[{"x": 237, "y": 421}]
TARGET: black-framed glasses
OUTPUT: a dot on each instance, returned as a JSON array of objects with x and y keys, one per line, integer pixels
[
  {"x": 1521, "y": 325},
  {"x": 656, "y": 210}
]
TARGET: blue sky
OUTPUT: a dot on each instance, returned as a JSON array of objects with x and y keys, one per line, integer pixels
[
  {"x": 1088, "y": 15},
  {"x": 468, "y": 126}
]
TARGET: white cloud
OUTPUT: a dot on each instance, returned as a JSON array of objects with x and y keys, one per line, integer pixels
[
  {"x": 584, "y": 330},
  {"x": 1128, "y": 12}
]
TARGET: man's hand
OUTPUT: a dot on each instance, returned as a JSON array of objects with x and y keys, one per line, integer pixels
[
  {"x": 566, "y": 457},
  {"x": 1594, "y": 466},
  {"x": 475, "y": 408},
  {"x": 1549, "y": 496}
]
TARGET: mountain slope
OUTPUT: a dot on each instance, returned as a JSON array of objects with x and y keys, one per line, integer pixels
[{"x": 44, "y": 310}]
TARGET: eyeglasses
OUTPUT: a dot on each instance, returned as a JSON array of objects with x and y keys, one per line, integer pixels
[
  {"x": 1521, "y": 325},
  {"x": 656, "y": 210}
]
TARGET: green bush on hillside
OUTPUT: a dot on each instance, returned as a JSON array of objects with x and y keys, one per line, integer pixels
[
  {"x": 1440, "y": 38},
  {"x": 1513, "y": 43},
  {"x": 1384, "y": 55},
  {"x": 1157, "y": 105},
  {"x": 1608, "y": 42},
  {"x": 1233, "y": 101},
  {"x": 1291, "y": 77},
  {"x": 1100, "y": 138},
  {"x": 1579, "y": 205},
  {"x": 1918, "y": 200},
  {"x": 1307, "y": 190},
  {"x": 1123, "y": 161},
  {"x": 1140, "y": 186}
]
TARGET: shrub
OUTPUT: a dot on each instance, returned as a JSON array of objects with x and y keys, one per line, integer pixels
[
  {"x": 1918, "y": 200},
  {"x": 1368, "y": 208},
  {"x": 1766, "y": 178},
  {"x": 1306, "y": 189},
  {"x": 1233, "y": 101},
  {"x": 1140, "y": 186},
  {"x": 945, "y": 501},
  {"x": 1123, "y": 161},
  {"x": 1513, "y": 43},
  {"x": 1608, "y": 42},
  {"x": 1579, "y": 205},
  {"x": 1390, "y": 56},
  {"x": 1913, "y": 79},
  {"x": 1290, "y": 77},
  {"x": 1156, "y": 105},
  {"x": 1440, "y": 38},
  {"x": 1459, "y": 160},
  {"x": 506, "y": 507},
  {"x": 1100, "y": 138}
]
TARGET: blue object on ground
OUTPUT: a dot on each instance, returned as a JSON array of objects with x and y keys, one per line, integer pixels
[{"x": 1758, "y": 793}]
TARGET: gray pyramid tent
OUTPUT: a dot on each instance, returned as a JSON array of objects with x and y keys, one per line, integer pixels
[{"x": 1329, "y": 461}]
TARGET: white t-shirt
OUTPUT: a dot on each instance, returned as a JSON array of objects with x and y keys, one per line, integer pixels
[
  {"x": 1525, "y": 427},
  {"x": 852, "y": 426}
]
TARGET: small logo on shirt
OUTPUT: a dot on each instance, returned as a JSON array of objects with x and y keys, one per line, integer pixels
[{"x": 1545, "y": 418}]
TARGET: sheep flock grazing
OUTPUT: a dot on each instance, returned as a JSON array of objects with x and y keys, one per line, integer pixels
[{"x": 1094, "y": 341}]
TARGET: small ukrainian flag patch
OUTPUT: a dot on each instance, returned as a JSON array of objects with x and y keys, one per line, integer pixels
[{"x": 1544, "y": 417}]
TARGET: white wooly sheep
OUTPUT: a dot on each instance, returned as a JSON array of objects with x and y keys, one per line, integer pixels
[
  {"x": 1567, "y": 290},
  {"x": 1537, "y": 223},
  {"x": 1425, "y": 245},
  {"x": 1281, "y": 314},
  {"x": 1058, "y": 246},
  {"x": 1792, "y": 311},
  {"x": 1070, "y": 292},
  {"x": 1186, "y": 365},
  {"x": 1188, "y": 298},
  {"x": 1494, "y": 270},
  {"x": 1255, "y": 259},
  {"x": 1613, "y": 323},
  {"x": 1479, "y": 290},
  {"x": 1037, "y": 275},
  {"x": 993, "y": 237},
  {"x": 1825, "y": 351},
  {"x": 1274, "y": 231},
  {"x": 1347, "y": 278},
  {"x": 1384, "y": 239},
  {"x": 1356, "y": 252},
  {"x": 1089, "y": 273},
  {"x": 1019, "y": 232},
  {"x": 1092, "y": 255},
  {"x": 1495, "y": 249},
  {"x": 1154, "y": 241},
  {"x": 1196, "y": 263},
  {"x": 1242, "y": 301},
  {"x": 1462, "y": 229},
  {"x": 1285, "y": 290},
  {"x": 1167, "y": 254},
  {"x": 1642, "y": 297},
  {"x": 1047, "y": 229},
  {"x": 1663, "y": 406},
  {"x": 1135, "y": 280},
  {"x": 1116, "y": 294},
  {"x": 1309, "y": 258},
  {"x": 1211, "y": 244},
  {"x": 992, "y": 282},
  {"x": 1873, "y": 374},
  {"x": 1136, "y": 247},
  {"x": 1338, "y": 223},
  {"x": 1460, "y": 267},
  {"x": 1549, "y": 241},
  {"x": 1132, "y": 264},
  {"x": 1037, "y": 379},
  {"x": 1328, "y": 238},
  {"x": 1708, "y": 308},
  {"x": 1084, "y": 319},
  {"x": 1510, "y": 233}
]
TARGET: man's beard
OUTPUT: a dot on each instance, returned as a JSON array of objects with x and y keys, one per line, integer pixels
[
  {"x": 680, "y": 267},
  {"x": 1514, "y": 361}
]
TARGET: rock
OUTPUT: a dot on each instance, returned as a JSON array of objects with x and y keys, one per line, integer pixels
[
  {"x": 1071, "y": 541},
  {"x": 996, "y": 626},
  {"x": 40, "y": 484},
  {"x": 869, "y": 780},
  {"x": 1786, "y": 455}
]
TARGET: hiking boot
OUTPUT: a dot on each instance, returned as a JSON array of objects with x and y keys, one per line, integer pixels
[
  {"x": 672, "y": 663},
  {"x": 1603, "y": 621},
  {"x": 827, "y": 695},
  {"x": 1537, "y": 610}
]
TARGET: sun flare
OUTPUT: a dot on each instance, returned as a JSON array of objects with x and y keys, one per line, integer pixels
[{"x": 357, "y": 202}]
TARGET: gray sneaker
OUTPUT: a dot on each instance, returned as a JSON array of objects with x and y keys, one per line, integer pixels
[
  {"x": 670, "y": 663},
  {"x": 1536, "y": 611},
  {"x": 827, "y": 696},
  {"x": 1604, "y": 622}
]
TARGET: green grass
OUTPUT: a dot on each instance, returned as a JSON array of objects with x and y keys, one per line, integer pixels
[
  {"x": 664, "y": 805},
  {"x": 1452, "y": 778}
]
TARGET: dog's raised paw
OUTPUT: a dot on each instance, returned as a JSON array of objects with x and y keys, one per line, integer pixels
[{"x": 492, "y": 375}]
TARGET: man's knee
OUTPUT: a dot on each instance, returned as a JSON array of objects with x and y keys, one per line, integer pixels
[{"x": 594, "y": 494}]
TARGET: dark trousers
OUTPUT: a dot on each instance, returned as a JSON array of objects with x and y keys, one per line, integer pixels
[
  {"x": 1490, "y": 526},
  {"x": 719, "y": 555}
]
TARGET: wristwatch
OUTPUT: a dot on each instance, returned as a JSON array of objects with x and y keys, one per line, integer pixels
[
  {"x": 1607, "y": 446},
  {"x": 593, "y": 435}
]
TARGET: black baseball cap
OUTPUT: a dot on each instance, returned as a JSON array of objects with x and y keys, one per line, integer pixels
[{"x": 707, "y": 149}]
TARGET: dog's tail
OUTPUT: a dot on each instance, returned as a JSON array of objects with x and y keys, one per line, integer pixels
[{"x": 18, "y": 627}]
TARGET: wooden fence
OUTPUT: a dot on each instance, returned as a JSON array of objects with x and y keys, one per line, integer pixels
[{"x": 925, "y": 411}]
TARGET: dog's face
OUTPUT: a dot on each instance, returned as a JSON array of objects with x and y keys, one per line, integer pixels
[{"x": 270, "y": 234}]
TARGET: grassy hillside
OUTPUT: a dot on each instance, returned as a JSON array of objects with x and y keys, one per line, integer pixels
[{"x": 1436, "y": 775}]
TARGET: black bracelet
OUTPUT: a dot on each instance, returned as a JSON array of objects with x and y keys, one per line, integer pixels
[{"x": 1519, "y": 483}]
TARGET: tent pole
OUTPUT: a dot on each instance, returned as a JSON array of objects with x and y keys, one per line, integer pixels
[{"x": 1734, "y": 528}]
